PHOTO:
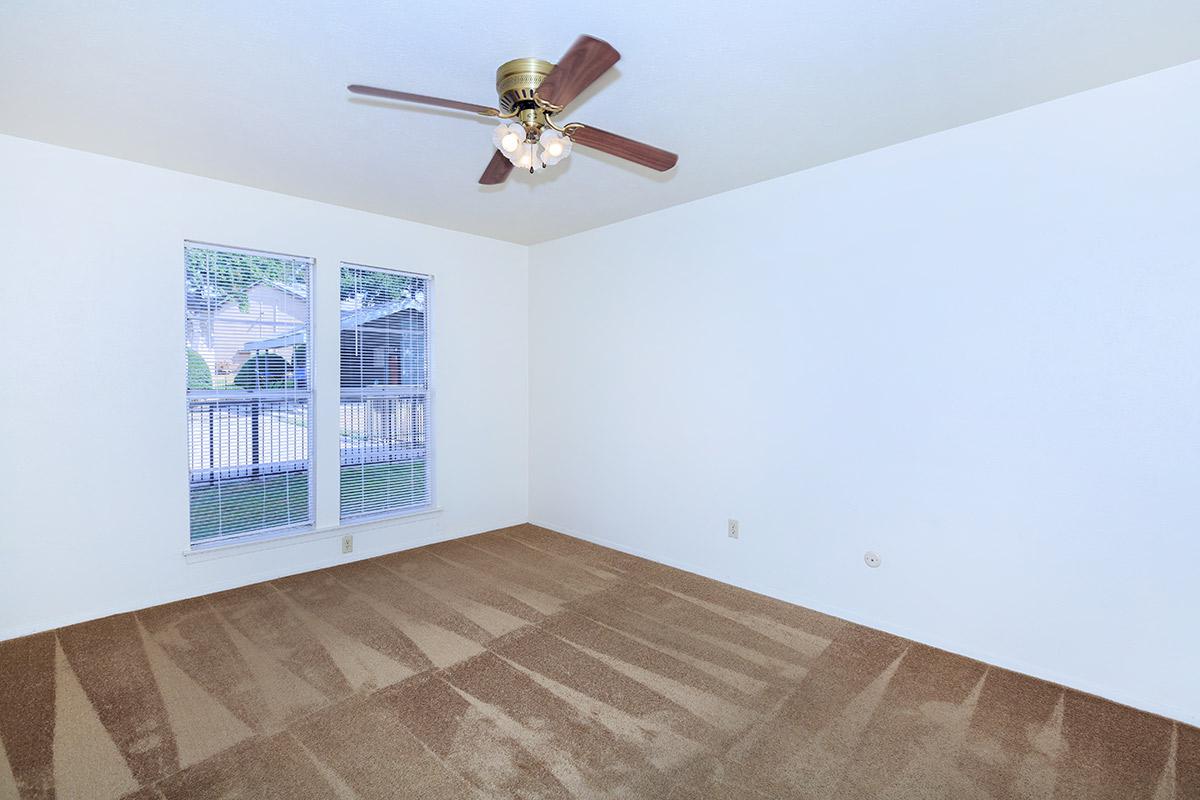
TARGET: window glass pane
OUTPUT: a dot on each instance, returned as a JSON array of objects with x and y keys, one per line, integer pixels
[
  {"x": 385, "y": 383},
  {"x": 249, "y": 423}
]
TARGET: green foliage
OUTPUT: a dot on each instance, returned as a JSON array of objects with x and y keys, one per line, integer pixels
[
  {"x": 300, "y": 365},
  {"x": 271, "y": 501},
  {"x": 377, "y": 287},
  {"x": 366, "y": 486},
  {"x": 198, "y": 374},
  {"x": 263, "y": 371},
  {"x": 213, "y": 277}
]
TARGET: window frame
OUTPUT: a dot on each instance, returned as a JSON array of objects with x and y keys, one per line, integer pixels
[
  {"x": 431, "y": 498},
  {"x": 282, "y": 531}
]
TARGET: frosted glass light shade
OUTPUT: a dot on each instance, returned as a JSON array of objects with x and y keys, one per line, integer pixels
[
  {"x": 555, "y": 147},
  {"x": 508, "y": 138},
  {"x": 527, "y": 156}
]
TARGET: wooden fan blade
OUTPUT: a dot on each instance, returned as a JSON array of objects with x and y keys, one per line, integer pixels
[
  {"x": 497, "y": 170},
  {"x": 423, "y": 99},
  {"x": 587, "y": 60},
  {"x": 619, "y": 146}
]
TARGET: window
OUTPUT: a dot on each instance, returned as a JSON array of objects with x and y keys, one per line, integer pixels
[
  {"x": 385, "y": 466},
  {"x": 248, "y": 392}
]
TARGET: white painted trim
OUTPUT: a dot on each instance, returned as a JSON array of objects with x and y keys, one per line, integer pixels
[
  {"x": 887, "y": 626},
  {"x": 253, "y": 544}
]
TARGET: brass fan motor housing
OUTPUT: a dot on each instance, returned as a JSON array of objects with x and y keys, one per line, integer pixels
[{"x": 517, "y": 80}]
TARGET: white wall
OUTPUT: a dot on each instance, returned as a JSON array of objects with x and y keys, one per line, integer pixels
[
  {"x": 93, "y": 486},
  {"x": 976, "y": 353}
]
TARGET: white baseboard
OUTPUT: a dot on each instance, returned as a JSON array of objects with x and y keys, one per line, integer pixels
[
  {"x": 888, "y": 626},
  {"x": 60, "y": 621}
]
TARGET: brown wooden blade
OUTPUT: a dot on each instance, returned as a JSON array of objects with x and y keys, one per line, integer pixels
[
  {"x": 628, "y": 149},
  {"x": 497, "y": 170},
  {"x": 423, "y": 99},
  {"x": 587, "y": 60}
]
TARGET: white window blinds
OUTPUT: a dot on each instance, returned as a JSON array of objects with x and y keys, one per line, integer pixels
[
  {"x": 385, "y": 446},
  {"x": 248, "y": 391}
]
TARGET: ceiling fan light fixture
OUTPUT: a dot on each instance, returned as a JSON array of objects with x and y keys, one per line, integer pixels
[
  {"x": 555, "y": 147},
  {"x": 508, "y": 138},
  {"x": 527, "y": 157},
  {"x": 535, "y": 92}
]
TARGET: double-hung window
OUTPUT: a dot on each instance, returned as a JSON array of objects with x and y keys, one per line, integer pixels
[
  {"x": 249, "y": 395},
  {"x": 385, "y": 426}
]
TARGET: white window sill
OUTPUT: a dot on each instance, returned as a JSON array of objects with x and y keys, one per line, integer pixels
[{"x": 270, "y": 541}]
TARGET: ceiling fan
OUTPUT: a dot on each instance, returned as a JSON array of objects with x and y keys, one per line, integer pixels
[{"x": 532, "y": 93}]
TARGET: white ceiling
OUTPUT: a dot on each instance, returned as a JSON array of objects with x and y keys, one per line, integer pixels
[{"x": 253, "y": 92}]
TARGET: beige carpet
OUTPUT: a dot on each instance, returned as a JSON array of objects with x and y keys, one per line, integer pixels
[{"x": 523, "y": 663}]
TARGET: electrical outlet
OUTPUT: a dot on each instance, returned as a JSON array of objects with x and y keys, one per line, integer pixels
[
  {"x": 733, "y": 530},
  {"x": 348, "y": 543}
]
